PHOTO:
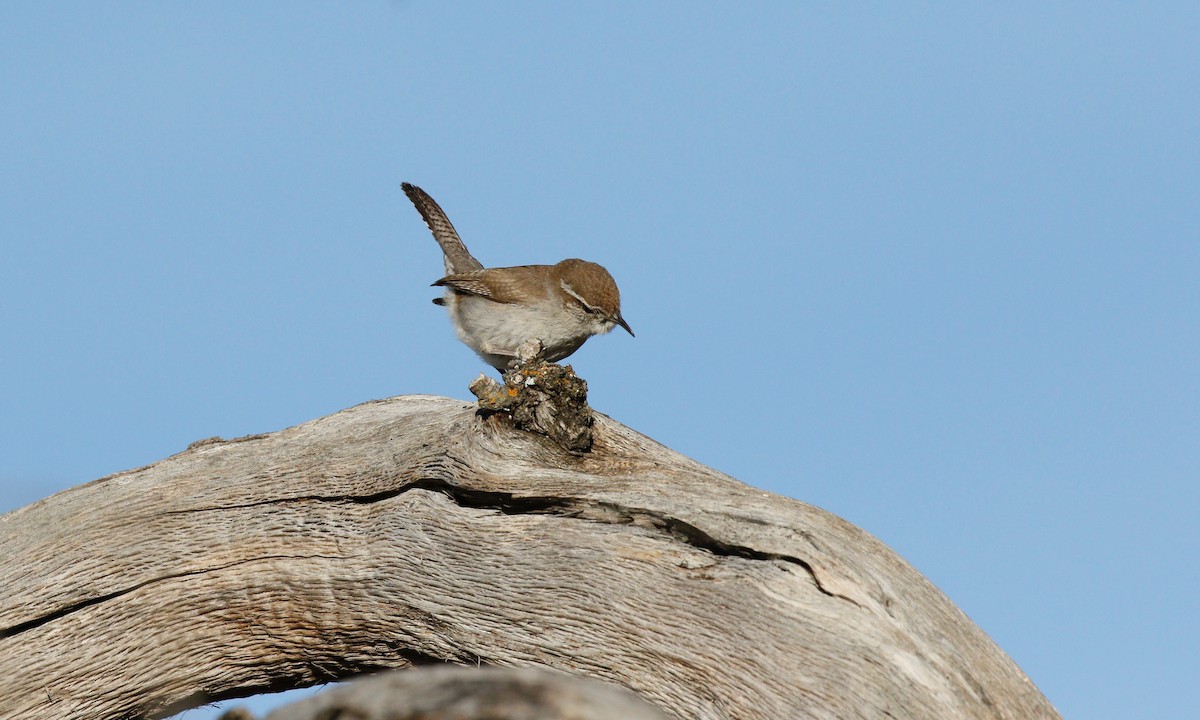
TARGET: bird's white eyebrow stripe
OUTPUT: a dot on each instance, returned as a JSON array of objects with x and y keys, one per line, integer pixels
[{"x": 566, "y": 286}]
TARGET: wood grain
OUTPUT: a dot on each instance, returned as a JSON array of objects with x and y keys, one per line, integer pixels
[
  {"x": 410, "y": 531},
  {"x": 450, "y": 692}
]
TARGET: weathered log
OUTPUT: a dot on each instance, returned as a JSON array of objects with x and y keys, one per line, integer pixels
[
  {"x": 413, "y": 531},
  {"x": 452, "y": 692}
]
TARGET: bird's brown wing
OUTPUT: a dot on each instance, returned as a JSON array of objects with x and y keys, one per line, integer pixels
[{"x": 523, "y": 284}]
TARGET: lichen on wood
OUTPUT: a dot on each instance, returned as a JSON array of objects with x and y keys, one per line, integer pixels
[
  {"x": 540, "y": 397},
  {"x": 412, "y": 531}
]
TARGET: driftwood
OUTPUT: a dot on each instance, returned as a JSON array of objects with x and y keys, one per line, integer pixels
[
  {"x": 413, "y": 531},
  {"x": 452, "y": 692}
]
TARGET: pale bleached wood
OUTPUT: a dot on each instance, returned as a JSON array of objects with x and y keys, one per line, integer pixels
[
  {"x": 450, "y": 692},
  {"x": 411, "y": 530}
]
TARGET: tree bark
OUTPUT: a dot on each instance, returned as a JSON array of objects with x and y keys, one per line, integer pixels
[{"x": 413, "y": 531}]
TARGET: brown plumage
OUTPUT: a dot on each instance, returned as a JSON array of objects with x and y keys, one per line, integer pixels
[{"x": 495, "y": 310}]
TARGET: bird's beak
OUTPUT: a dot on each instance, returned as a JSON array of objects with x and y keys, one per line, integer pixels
[{"x": 622, "y": 323}]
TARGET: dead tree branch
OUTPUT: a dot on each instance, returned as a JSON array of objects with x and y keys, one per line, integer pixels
[{"x": 411, "y": 531}]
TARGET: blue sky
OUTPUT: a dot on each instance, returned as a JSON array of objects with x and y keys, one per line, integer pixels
[{"x": 932, "y": 267}]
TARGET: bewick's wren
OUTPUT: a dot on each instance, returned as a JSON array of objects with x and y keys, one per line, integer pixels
[{"x": 495, "y": 310}]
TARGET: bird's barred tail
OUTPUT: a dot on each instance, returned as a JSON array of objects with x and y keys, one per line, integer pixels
[{"x": 458, "y": 258}]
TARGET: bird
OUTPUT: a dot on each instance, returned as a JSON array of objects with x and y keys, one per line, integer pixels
[{"x": 497, "y": 310}]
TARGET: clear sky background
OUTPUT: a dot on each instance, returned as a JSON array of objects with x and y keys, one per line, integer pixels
[{"x": 933, "y": 267}]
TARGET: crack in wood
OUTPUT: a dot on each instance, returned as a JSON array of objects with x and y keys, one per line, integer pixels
[
  {"x": 580, "y": 508},
  {"x": 628, "y": 596},
  {"x": 82, "y": 604},
  {"x": 503, "y": 502}
]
